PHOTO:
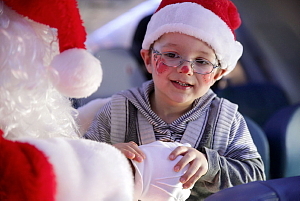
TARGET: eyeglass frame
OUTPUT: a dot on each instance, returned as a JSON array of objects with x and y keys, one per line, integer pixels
[{"x": 184, "y": 60}]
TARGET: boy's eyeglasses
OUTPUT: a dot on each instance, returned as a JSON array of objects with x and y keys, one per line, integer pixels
[{"x": 200, "y": 65}]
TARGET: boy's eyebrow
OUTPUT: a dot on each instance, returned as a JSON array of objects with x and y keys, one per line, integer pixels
[{"x": 169, "y": 45}]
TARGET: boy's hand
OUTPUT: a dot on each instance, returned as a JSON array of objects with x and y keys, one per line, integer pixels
[
  {"x": 131, "y": 151},
  {"x": 196, "y": 159}
]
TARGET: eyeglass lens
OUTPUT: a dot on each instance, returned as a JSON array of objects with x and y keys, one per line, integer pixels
[{"x": 200, "y": 65}]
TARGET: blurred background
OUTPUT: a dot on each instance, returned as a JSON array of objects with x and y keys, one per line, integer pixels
[{"x": 96, "y": 13}]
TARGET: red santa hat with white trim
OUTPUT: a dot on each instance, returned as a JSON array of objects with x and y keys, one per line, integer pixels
[
  {"x": 212, "y": 21},
  {"x": 80, "y": 73}
]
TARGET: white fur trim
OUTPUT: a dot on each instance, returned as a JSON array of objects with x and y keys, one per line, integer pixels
[
  {"x": 87, "y": 170},
  {"x": 80, "y": 73},
  {"x": 195, "y": 20}
]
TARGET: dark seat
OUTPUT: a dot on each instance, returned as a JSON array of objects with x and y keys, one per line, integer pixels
[
  {"x": 261, "y": 142},
  {"x": 285, "y": 189},
  {"x": 283, "y": 133},
  {"x": 257, "y": 100}
]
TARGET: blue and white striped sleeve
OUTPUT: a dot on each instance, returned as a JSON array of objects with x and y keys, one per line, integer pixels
[{"x": 101, "y": 125}]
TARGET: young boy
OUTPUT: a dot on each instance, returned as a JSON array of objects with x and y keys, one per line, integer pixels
[{"x": 187, "y": 47}]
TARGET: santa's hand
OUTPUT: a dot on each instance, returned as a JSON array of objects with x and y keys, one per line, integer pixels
[
  {"x": 131, "y": 151},
  {"x": 196, "y": 159}
]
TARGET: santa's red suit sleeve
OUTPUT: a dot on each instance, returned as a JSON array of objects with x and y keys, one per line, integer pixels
[{"x": 63, "y": 170}]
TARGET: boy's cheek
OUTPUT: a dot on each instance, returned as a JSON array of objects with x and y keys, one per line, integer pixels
[
  {"x": 208, "y": 78},
  {"x": 161, "y": 68}
]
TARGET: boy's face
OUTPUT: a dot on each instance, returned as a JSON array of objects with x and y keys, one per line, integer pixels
[{"x": 180, "y": 85}]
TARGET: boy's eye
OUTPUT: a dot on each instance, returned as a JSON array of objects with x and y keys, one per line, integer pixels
[
  {"x": 202, "y": 62},
  {"x": 171, "y": 55}
]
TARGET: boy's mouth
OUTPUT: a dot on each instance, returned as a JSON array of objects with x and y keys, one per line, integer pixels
[{"x": 183, "y": 84}]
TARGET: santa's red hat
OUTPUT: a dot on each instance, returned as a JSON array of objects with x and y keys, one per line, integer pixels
[
  {"x": 212, "y": 21},
  {"x": 80, "y": 73}
]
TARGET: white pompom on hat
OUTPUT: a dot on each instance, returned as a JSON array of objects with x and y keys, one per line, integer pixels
[
  {"x": 212, "y": 21},
  {"x": 79, "y": 72}
]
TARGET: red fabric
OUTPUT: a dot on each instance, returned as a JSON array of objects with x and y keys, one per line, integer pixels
[
  {"x": 25, "y": 173},
  {"x": 61, "y": 14},
  {"x": 225, "y": 9}
]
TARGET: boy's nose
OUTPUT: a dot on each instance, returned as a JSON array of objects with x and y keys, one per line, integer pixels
[{"x": 186, "y": 68}]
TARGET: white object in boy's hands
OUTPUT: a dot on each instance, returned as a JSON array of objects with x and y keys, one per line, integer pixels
[{"x": 155, "y": 178}]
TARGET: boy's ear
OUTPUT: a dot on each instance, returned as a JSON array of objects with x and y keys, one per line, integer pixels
[
  {"x": 147, "y": 59},
  {"x": 219, "y": 73}
]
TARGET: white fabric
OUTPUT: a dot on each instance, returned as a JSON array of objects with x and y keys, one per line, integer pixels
[
  {"x": 194, "y": 20},
  {"x": 87, "y": 170},
  {"x": 155, "y": 178}
]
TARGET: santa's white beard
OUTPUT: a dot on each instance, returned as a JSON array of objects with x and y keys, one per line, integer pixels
[{"x": 29, "y": 104}]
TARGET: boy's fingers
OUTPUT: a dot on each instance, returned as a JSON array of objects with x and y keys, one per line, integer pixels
[
  {"x": 137, "y": 149},
  {"x": 134, "y": 155},
  {"x": 135, "y": 152},
  {"x": 192, "y": 170},
  {"x": 128, "y": 154},
  {"x": 189, "y": 183},
  {"x": 178, "y": 151},
  {"x": 131, "y": 151},
  {"x": 190, "y": 178},
  {"x": 133, "y": 143},
  {"x": 181, "y": 164},
  {"x": 185, "y": 160}
]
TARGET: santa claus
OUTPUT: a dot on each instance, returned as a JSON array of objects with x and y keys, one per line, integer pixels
[{"x": 43, "y": 63}]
